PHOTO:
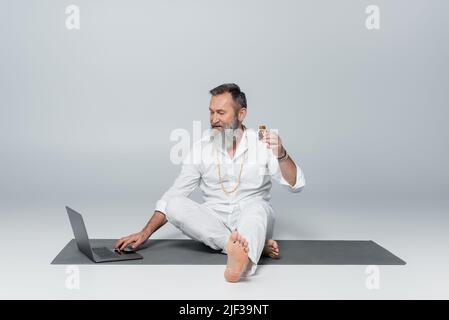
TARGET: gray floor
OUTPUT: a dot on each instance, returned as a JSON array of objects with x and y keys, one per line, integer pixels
[{"x": 417, "y": 234}]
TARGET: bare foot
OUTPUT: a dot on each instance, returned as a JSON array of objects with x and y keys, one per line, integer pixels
[
  {"x": 271, "y": 249},
  {"x": 237, "y": 250}
]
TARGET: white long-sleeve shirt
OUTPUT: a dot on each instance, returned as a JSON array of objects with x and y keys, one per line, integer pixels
[{"x": 199, "y": 168}]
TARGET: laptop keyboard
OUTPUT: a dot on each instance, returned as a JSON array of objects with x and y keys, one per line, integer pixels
[{"x": 104, "y": 253}]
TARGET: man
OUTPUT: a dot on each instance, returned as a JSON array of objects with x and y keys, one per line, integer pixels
[{"x": 236, "y": 216}]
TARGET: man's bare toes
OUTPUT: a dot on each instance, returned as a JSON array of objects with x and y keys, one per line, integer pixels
[
  {"x": 271, "y": 249},
  {"x": 239, "y": 237}
]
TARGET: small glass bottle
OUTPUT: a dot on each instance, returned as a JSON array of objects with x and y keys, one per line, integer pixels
[{"x": 262, "y": 130}]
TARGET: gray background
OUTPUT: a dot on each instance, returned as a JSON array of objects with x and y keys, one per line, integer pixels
[{"x": 85, "y": 119}]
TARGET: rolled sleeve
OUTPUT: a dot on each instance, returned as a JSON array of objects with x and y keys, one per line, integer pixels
[
  {"x": 161, "y": 206},
  {"x": 276, "y": 175},
  {"x": 300, "y": 181}
]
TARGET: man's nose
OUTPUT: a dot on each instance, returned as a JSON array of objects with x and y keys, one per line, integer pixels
[{"x": 215, "y": 120}]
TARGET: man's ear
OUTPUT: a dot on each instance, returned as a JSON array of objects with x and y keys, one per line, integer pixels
[{"x": 242, "y": 114}]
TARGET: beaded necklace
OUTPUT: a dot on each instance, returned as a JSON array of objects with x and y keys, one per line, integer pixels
[{"x": 219, "y": 171}]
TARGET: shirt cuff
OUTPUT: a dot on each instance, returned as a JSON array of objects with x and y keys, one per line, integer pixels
[
  {"x": 300, "y": 181},
  {"x": 161, "y": 206}
]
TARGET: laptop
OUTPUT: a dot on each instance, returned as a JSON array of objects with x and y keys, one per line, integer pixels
[{"x": 98, "y": 254}]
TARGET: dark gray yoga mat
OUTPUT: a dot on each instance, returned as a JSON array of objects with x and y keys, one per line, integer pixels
[{"x": 293, "y": 252}]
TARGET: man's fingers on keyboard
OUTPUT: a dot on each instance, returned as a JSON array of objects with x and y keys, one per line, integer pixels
[
  {"x": 118, "y": 243},
  {"x": 126, "y": 243}
]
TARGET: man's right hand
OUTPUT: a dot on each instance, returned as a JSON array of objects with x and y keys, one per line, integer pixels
[{"x": 136, "y": 238}]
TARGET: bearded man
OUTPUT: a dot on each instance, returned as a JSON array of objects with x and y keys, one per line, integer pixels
[{"x": 236, "y": 216}]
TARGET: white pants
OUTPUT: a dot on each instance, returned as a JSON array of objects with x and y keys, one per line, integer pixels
[{"x": 253, "y": 219}]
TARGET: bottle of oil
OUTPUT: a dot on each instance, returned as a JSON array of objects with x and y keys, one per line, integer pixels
[{"x": 262, "y": 130}]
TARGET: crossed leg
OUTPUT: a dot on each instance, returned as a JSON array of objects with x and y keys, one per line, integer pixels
[
  {"x": 198, "y": 222},
  {"x": 243, "y": 247}
]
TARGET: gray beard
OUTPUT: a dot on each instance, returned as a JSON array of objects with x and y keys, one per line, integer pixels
[{"x": 227, "y": 137}]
